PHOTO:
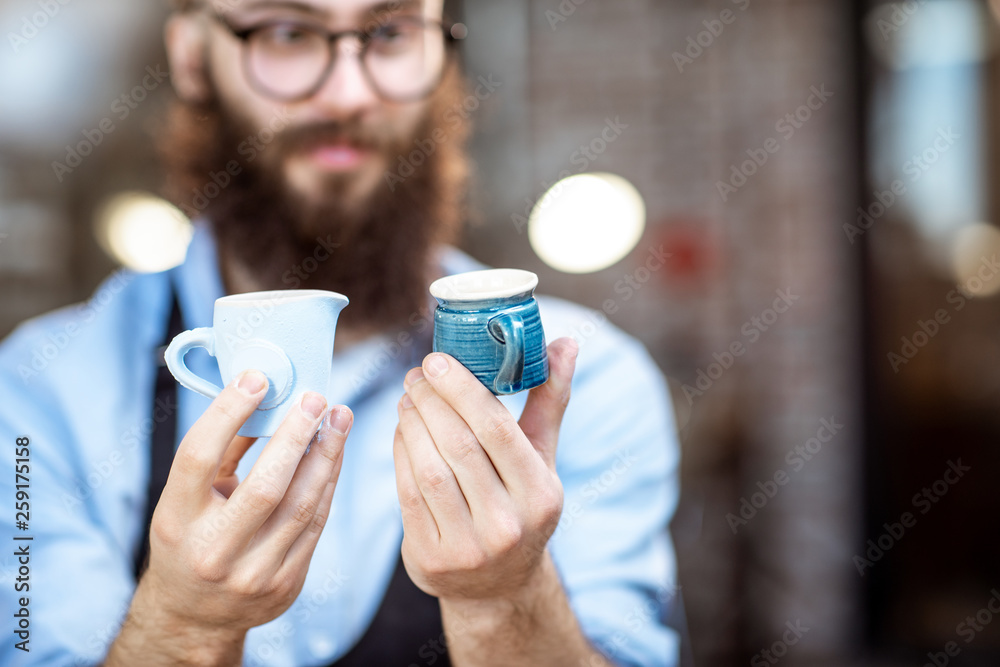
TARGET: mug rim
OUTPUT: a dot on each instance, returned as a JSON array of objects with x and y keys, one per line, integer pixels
[
  {"x": 278, "y": 297},
  {"x": 518, "y": 282}
]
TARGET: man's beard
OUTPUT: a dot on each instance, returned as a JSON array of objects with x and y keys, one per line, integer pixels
[{"x": 376, "y": 249}]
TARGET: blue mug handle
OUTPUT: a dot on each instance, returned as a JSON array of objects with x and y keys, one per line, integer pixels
[
  {"x": 174, "y": 356},
  {"x": 508, "y": 330}
]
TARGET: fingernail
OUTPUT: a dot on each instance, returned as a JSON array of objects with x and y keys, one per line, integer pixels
[
  {"x": 437, "y": 365},
  {"x": 313, "y": 405},
  {"x": 341, "y": 420},
  {"x": 252, "y": 383},
  {"x": 414, "y": 376},
  {"x": 406, "y": 402}
]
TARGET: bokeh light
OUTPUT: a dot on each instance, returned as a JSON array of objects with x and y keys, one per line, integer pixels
[
  {"x": 974, "y": 251},
  {"x": 143, "y": 232},
  {"x": 586, "y": 223}
]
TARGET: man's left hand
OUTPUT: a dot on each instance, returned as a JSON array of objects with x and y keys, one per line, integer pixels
[{"x": 478, "y": 490}]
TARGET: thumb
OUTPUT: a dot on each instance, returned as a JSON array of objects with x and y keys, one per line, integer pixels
[{"x": 546, "y": 404}]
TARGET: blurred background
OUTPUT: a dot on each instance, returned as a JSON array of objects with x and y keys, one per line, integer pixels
[{"x": 817, "y": 174}]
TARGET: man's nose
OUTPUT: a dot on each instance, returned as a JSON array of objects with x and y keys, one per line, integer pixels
[{"x": 347, "y": 90}]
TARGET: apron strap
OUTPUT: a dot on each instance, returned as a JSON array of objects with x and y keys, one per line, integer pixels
[
  {"x": 164, "y": 435},
  {"x": 406, "y": 630}
]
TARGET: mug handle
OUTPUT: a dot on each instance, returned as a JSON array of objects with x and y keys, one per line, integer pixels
[
  {"x": 174, "y": 356},
  {"x": 508, "y": 329}
]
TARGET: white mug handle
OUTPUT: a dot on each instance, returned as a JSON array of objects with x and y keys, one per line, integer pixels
[{"x": 174, "y": 356}]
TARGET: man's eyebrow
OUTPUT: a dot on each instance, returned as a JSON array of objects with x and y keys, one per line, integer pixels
[
  {"x": 393, "y": 5},
  {"x": 307, "y": 8},
  {"x": 303, "y": 7}
]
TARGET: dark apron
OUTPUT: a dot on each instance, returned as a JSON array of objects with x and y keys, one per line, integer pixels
[{"x": 406, "y": 630}]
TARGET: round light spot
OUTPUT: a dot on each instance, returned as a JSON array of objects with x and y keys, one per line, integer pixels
[
  {"x": 586, "y": 223},
  {"x": 143, "y": 232},
  {"x": 973, "y": 256}
]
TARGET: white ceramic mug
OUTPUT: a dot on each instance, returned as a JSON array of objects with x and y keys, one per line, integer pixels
[{"x": 287, "y": 335}]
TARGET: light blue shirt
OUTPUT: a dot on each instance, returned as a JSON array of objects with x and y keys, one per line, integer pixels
[{"x": 79, "y": 383}]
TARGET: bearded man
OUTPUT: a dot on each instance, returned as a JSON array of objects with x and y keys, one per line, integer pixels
[{"x": 449, "y": 530}]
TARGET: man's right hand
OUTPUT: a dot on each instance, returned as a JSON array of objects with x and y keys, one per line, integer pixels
[{"x": 226, "y": 555}]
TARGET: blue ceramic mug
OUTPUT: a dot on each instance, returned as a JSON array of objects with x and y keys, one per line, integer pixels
[
  {"x": 489, "y": 322},
  {"x": 287, "y": 335}
]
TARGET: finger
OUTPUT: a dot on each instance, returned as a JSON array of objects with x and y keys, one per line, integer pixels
[
  {"x": 418, "y": 522},
  {"x": 296, "y": 512},
  {"x": 234, "y": 454},
  {"x": 267, "y": 482},
  {"x": 435, "y": 478},
  {"x": 225, "y": 479},
  {"x": 300, "y": 554},
  {"x": 546, "y": 405},
  {"x": 516, "y": 461},
  {"x": 200, "y": 453},
  {"x": 478, "y": 479}
]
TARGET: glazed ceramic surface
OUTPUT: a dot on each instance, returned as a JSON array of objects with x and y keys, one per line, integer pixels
[
  {"x": 489, "y": 321},
  {"x": 287, "y": 335}
]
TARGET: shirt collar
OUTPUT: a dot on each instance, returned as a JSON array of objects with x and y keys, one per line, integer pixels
[{"x": 198, "y": 280}]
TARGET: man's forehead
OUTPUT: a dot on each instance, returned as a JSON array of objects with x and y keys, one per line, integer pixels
[{"x": 333, "y": 9}]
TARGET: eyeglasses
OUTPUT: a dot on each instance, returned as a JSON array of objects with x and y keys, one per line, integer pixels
[{"x": 404, "y": 60}]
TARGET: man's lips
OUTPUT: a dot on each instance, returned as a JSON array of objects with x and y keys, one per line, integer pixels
[{"x": 338, "y": 157}]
